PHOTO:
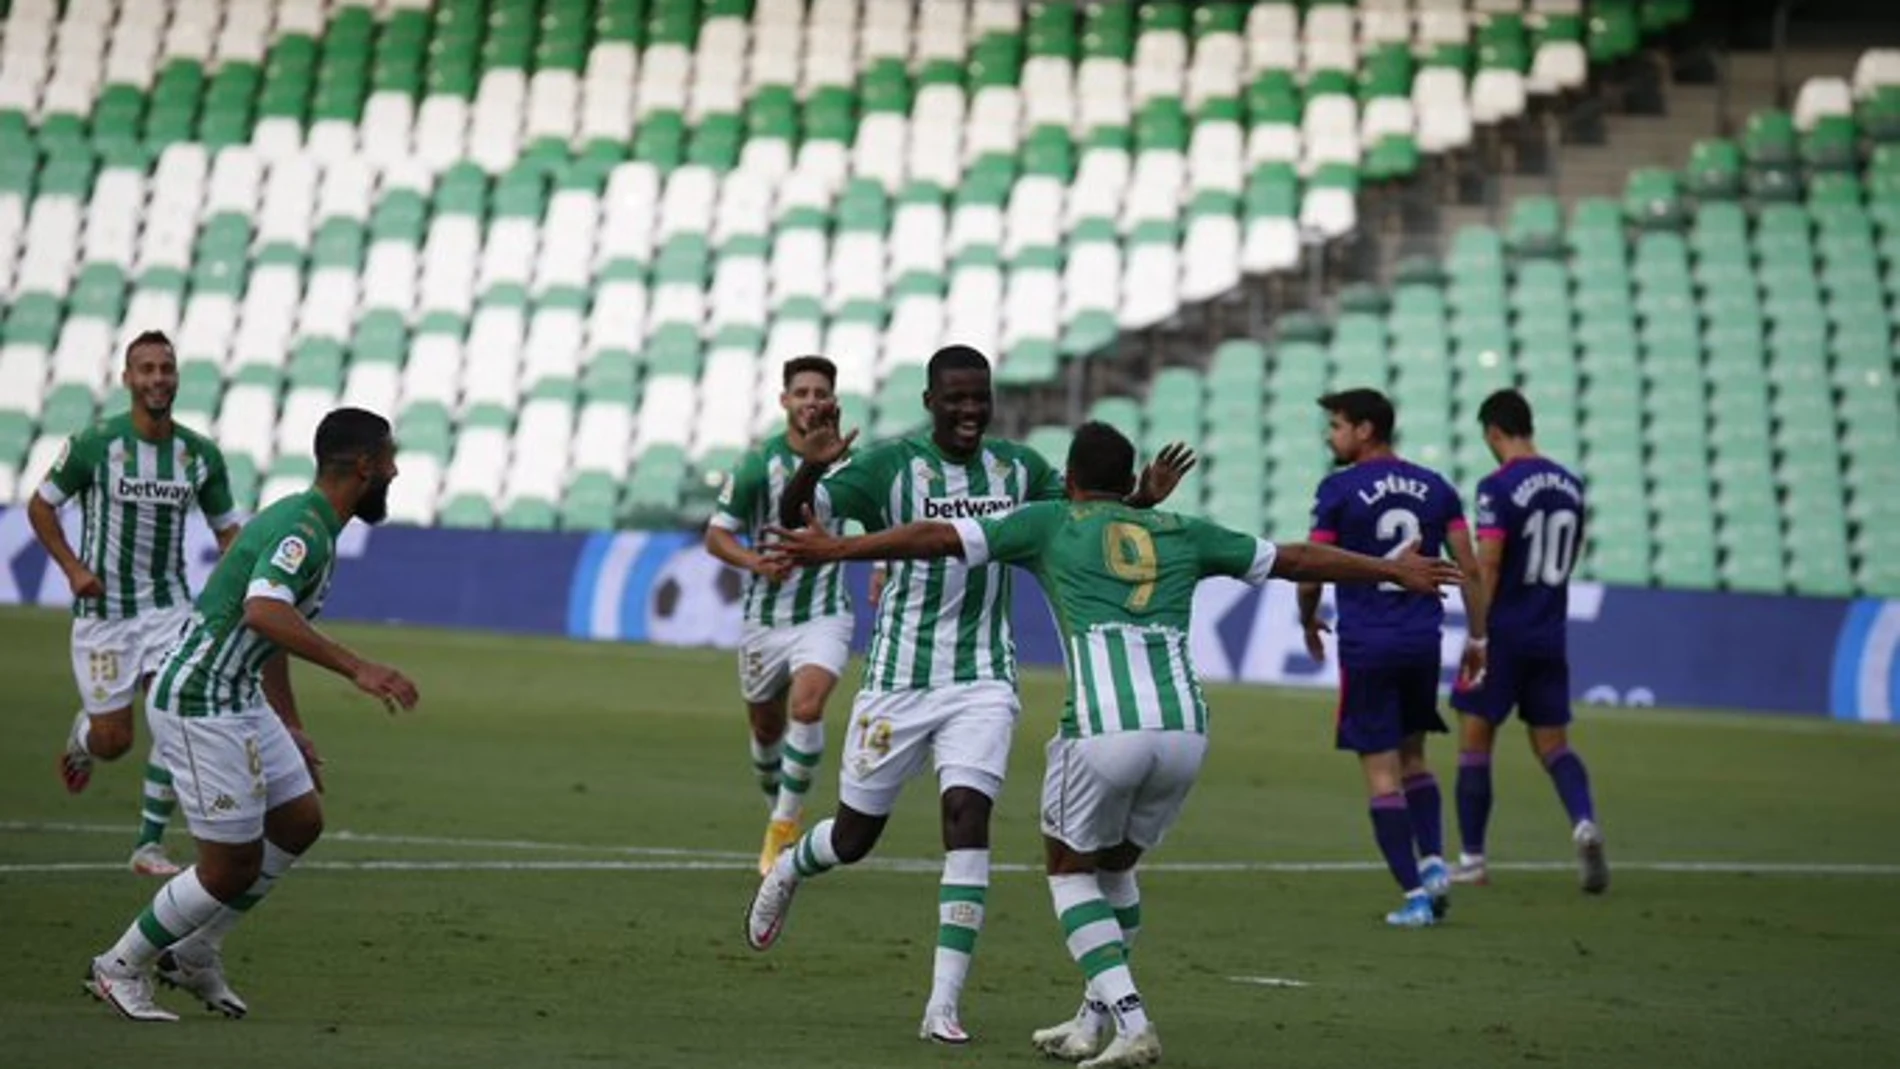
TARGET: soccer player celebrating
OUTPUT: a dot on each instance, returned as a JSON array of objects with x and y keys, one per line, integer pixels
[
  {"x": 1133, "y": 732},
  {"x": 940, "y": 677},
  {"x": 225, "y": 721},
  {"x": 135, "y": 477},
  {"x": 1530, "y": 529},
  {"x": 1388, "y": 641},
  {"x": 797, "y": 621}
]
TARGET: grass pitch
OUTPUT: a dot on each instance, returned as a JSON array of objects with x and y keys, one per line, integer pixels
[{"x": 547, "y": 866}]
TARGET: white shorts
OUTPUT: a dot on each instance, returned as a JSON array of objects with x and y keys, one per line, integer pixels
[
  {"x": 1128, "y": 786},
  {"x": 964, "y": 728},
  {"x": 110, "y": 657},
  {"x": 229, "y": 770},
  {"x": 769, "y": 655}
]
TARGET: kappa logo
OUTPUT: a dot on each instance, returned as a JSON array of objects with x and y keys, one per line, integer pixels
[
  {"x": 290, "y": 554},
  {"x": 224, "y": 804}
]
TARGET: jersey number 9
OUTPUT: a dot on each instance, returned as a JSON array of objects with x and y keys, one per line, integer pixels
[{"x": 1130, "y": 552}]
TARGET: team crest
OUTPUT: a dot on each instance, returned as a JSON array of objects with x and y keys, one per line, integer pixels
[{"x": 290, "y": 554}]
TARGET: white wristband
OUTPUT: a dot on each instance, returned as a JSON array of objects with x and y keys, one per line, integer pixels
[{"x": 1477, "y": 643}]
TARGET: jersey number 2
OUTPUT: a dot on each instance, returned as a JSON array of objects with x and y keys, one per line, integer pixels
[
  {"x": 1401, "y": 525},
  {"x": 1130, "y": 552}
]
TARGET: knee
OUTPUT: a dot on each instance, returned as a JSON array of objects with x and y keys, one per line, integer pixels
[
  {"x": 808, "y": 708},
  {"x": 110, "y": 737},
  {"x": 966, "y": 819},
  {"x": 228, "y": 874},
  {"x": 852, "y": 841}
]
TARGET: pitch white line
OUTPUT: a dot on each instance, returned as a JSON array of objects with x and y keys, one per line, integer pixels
[
  {"x": 1269, "y": 981},
  {"x": 680, "y": 859}
]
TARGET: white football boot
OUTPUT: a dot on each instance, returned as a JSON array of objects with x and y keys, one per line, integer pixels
[
  {"x": 765, "y": 918},
  {"x": 942, "y": 1026},
  {"x": 1126, "y": 1052},
  {"x": 1593, "y": 868},
  {"x": 1075, "y": 1039},
  {"x": 150, "y": 860},
  {"x": 199, "y": 971},
  {"x": 125, "y": 989}
]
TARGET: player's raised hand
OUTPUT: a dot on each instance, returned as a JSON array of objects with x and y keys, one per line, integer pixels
[
  {"x": 1165, "y": 472},
  {"x": 84, "y": 583},
  {"x": 824, "y": 443},
  {"x": 772, "y": 569},
  {"x": 810, "y": 544},
  {"x": 388, "y": 685},
  {"x": 311, "y": 759},
  {"x": 1421, "y": 574}
]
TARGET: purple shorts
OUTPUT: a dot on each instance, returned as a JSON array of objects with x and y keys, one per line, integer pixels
[
  {"x": 1380, "y": 706},
  {"x": 1537, "y": 685}
]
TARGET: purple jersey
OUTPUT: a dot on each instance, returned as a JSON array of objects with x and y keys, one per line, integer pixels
[
  {"x": 1535, "y": 506},
  {"x": 1375, "y": 507}
]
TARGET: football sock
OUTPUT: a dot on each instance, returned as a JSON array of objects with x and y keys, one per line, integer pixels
[
  {"x": 1095, "y": 942},
  {"x": 765, "y": 761},
  {"x": 1572, "y": 782},
  {"x": 1392, "y": 827},
  {"x": 1123, "y": 895},
  {"x": 1427, "y": 808},
  {"x": 179, "y": 908},
  {"x": 210, "y": 935},
  {"x": 159, "y": 802},
  {"x": 960, "y": 897},
  {"x": 804, "y": 746},
  {"x": 1474, "y": 800},
  {"x": 813, "y": 855}
]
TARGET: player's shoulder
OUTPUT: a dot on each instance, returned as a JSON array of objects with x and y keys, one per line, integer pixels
[
  {"x": 101, "y": 430},
  {"x": 196, "y": 443},
  {"x": 1009, "y": 449}
]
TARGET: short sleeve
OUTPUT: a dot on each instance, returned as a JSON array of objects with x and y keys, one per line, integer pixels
[
  {"x": 1326, "y": 508},
  {"x": 739, "y": 497},
  {"x": 1045, "y": 483},
  {"x": 1016, "y": 538},
  {"x": 73, "y": 471},
  {"x": 214, "y": 492},
  {"x": 854, "y": 490},
  {"x": 1221, "y": 551},
  {"x": 1492, "y": 506},
  {"x": 288, "y": 565}
]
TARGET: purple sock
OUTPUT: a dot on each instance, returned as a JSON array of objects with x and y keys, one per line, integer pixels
[
  {"x": 1428, "y": 813},
  {"x": 1474, "y": 800},
  {"x": 1392, "y": 827},
  {"x": 1572, "y": 782}
]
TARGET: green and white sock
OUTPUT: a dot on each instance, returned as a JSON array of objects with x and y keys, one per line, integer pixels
[
  {"x": 1095, "y": 942},
  {"x": 210, "y": 935},
  {"x": 1123, "y": 895},
  {"x": 812, "y": 855},
  {"x": 804, "y": 748},
  {"x": 179, "y": 909},
  {"x": 765, "y": 762},
  {"x": 160, "y": 800},
  {"x": 960, "y": 900}
]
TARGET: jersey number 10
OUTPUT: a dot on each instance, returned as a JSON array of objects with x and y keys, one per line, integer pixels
[{"x": 1553, "y": 547}]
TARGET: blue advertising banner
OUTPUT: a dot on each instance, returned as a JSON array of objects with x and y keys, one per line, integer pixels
[{"x": 1803, "y": 656}]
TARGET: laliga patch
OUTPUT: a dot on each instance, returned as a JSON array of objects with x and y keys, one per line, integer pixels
[{"x": 290, "y": 554}]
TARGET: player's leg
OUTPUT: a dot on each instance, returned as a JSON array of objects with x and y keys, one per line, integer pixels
[
  {"x": 159, "y": 631},
  {"x": 1371, "y": 725},
  {"x": 223, "y": 794},
  {"x": 1477, "y": 737},
  {"x": 887, "y": 744},
  {"x": 1422, "y": 798},
  {"x": 971, "y": 747},
  {"x": 293, "y": 822},
  {"x": 105, "y": 668},
  {"x": 818, "y": 658},
  {"x": 1546, "y": 710},
  {"x": 764, "y": 677}
]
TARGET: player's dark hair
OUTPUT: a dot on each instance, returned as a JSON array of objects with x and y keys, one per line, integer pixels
[
  {"x": 1101, "y": 459},
  {"x": 150, "y": 337},
  {"x": 346, "y": 435},
  {"x": 1363, "y": 406},
  {"x": 801, "y": 364},
  {"x": 1509, "y": 412},
  {"x": 954, "y": 358}
]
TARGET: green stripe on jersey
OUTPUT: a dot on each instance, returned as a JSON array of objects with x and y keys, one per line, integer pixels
[
  {"x": 127, "y": 584},
  {"x": 162, "y": 536}
]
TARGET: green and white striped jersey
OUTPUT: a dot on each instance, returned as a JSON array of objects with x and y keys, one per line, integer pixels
[
  {"x": 286, "y": 553},
  {"x": 133, "y": 495},
  {"x": 939, "y": 622},
  {"x": 750, "y": 503},
  {"x": 1122, "y": 583}
]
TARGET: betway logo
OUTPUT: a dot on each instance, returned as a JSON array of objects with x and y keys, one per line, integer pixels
[
  {"x": 152, "y": 490},
  {"x": 966, "y": 508}
]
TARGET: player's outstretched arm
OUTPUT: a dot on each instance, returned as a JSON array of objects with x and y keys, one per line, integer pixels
[
  {"x": 726, "y": 547},
  {"x": 285, "y": 627},
  {"x": 1309, "y": 562},
  {"x": 813, "y": 544},
  {"x": 1161, "y": 476}
]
